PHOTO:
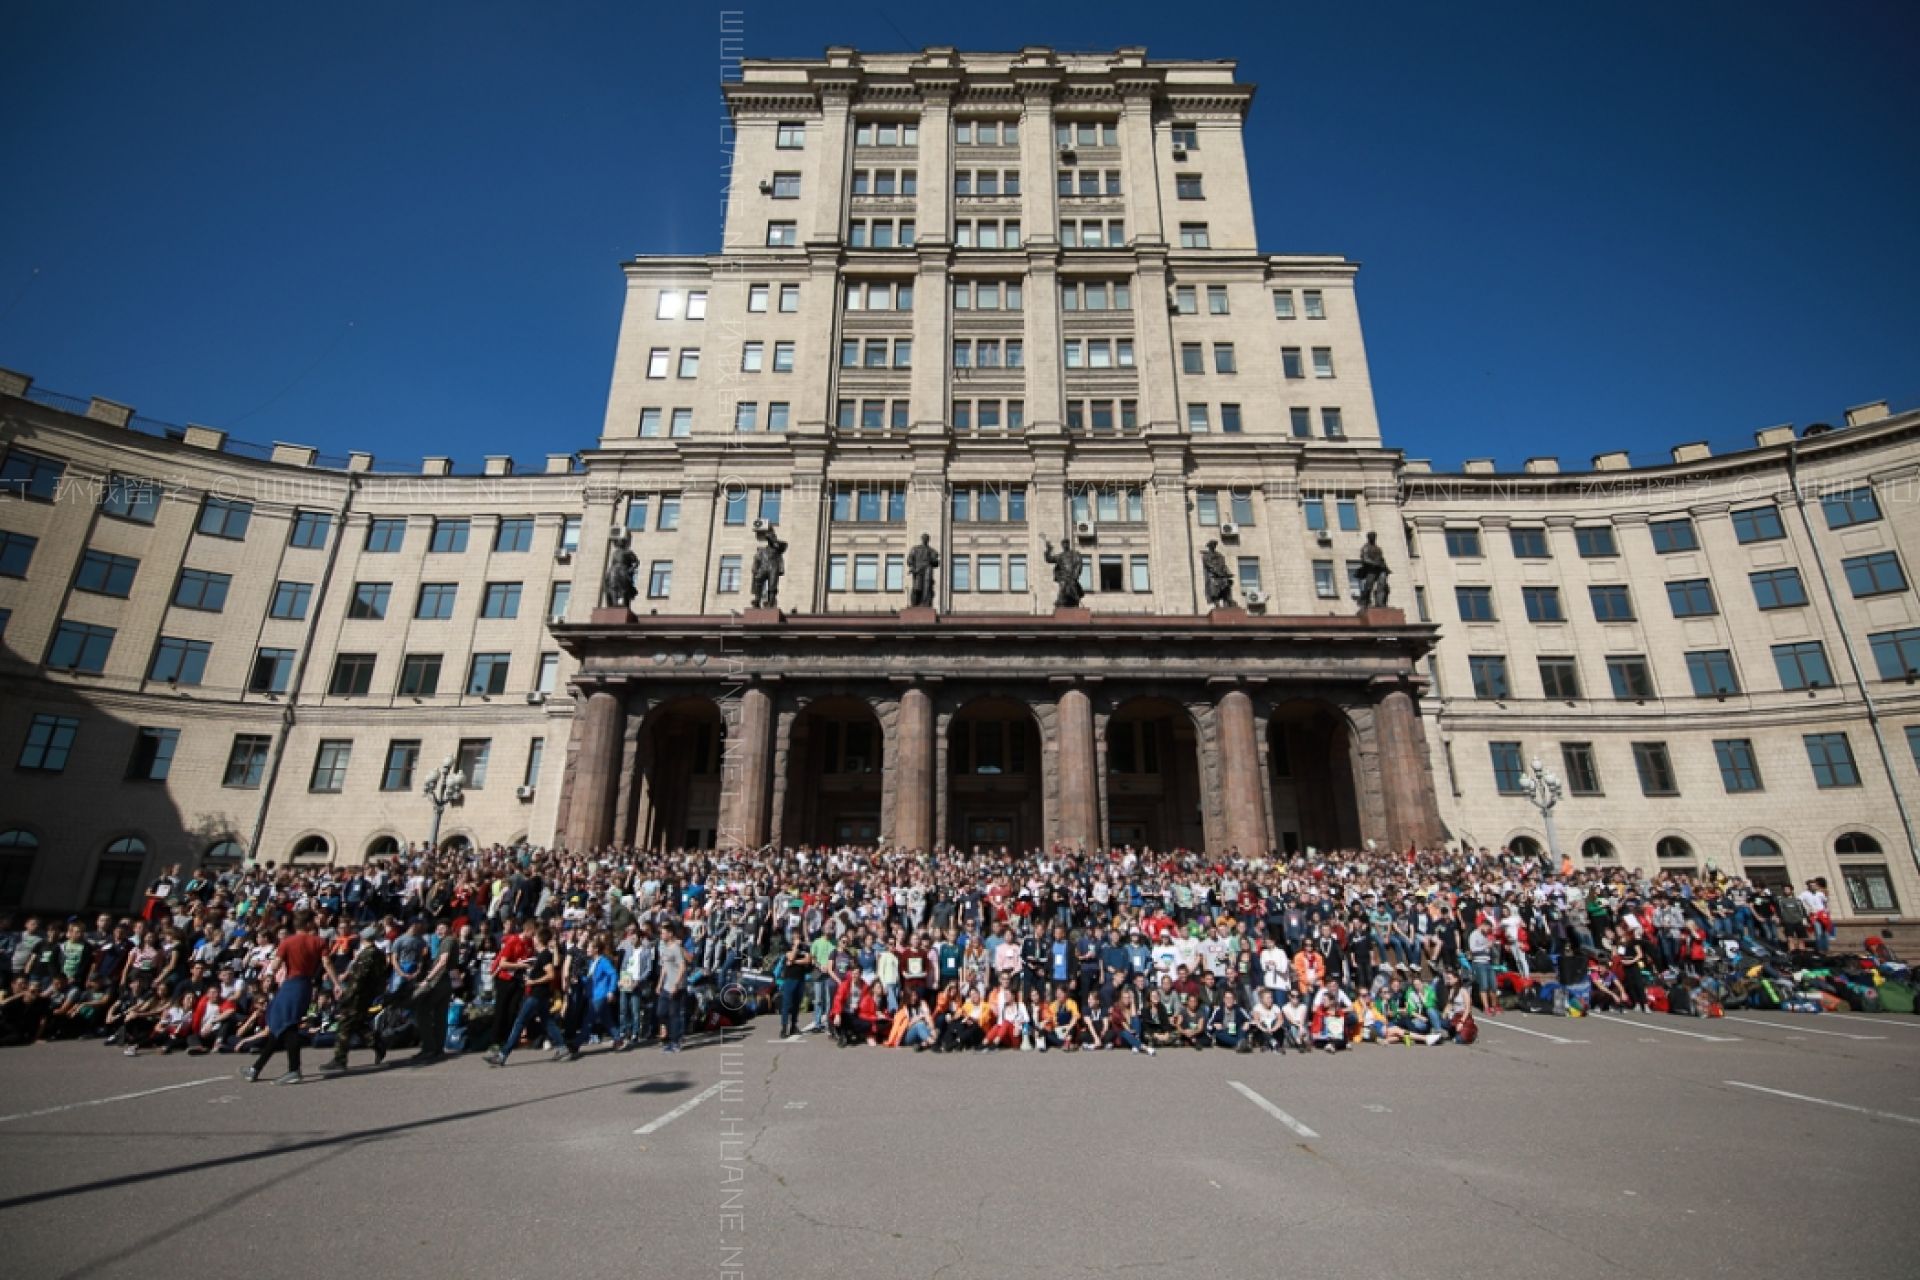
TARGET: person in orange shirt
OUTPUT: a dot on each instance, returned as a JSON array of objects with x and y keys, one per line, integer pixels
[{"x": 1309, "y": 969}]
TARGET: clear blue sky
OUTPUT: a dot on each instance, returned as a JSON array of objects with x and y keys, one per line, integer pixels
[{"x": 397, "y": 226}]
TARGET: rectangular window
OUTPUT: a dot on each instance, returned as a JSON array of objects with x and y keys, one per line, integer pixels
[
  {"x": 570, "y": 534},
  {"x": 1896, "y": 654},
  {"x": 727, "y": 579},
  {"x": 1655, "y": 768},
  {"x": 450, "y": 536},
  {"x": 1611, "y": 603},
  {"x": 866, "y": 573},
  {"x": 1489, "y": 676},
  {"x": 1559, "y": 678},
  {"x": 689, "y": 363},
  {"x": 369, "y": 601},
  {"x": 1475, "y": 603},
  {"x": 1870, "y": 889},
  {"x": 1543, "y": 604},
  {"x": 1582, "y": 769},
  {"x": 152, "y": 754},
  {"x": 1323, "y": 362},
  {"x": 131, "y": 498},
  {"x": 330, "y": 765},
  {"x": 49, "y": 743},
  {"x": 786, "y": 186},
  {"x": 1529, "y": 542},
  {"x": 1463, "y": 544},
  {"x": 403, "y": 758},
  {"x": 28, "y": 475},
  {"x": 783, "y": 234},
  {"x": 961, "y": 576},
  {"x": 1331, "y": 426},
  {"x": 547, "y": 674},
  {"x": 1711, "y": 671},
  {"x": 1673, "y": 535},
  {"x": 1691, "y": 598},
  {"x": 660, "y": 580},
  {"x": 1758, "y": 524},
  {"x": 1193, "y": 235},
  {"x": 756, "y": 298},
  {"x": 790, "y": 135},
  {"x": 1595, "y": 541},
  {"x": 1348, "y": 512},
  {"x": 1874, "y": 575},
  {"x": 16, "y": 553},
  {"x": 559, "y": 596},
  {"x": 1843, "y": 510},
  {"x": 419, "y": 675},
  {"x": 502, "y": 600},
  {"x": 1831, "y": 756},
  {"x": 1186, "y": 186},
  {"x": 310, "y": 529},
  {"x": 658, "y": 359},
  {"x": 1630, "y": 678},
  {"x": 536, "y": 751},
  {"x": 1223, "y": 358},
  {"x": 272, "y": 669},
  {"x": 488, "y": 673},
  {"x": 777, "y": 415},
  {"x": 1316, "y": 307},
  {"x": 225, "y": 518},
  {"x": 106, "y": 575},
  {"x": 436, "y": 600},
  {"x": 746, "y": 416},
  {"x": 1283, "y": 304},
  {"x": 836, "y": 573},
  {"x": 1302, "y": 422},
  {"x": 1777, "y": 588},
  {"x": 1739, "y": 769},
  {"x": 352, "y": 675},
  {"x": 247, "y": 760},
  {"x": 1186, "y": 300},
  {"x": 1016, "y": 573},
  {"x": 513, "y": 533},
  {"x": 79, "y": 647},
  {"x": 290, "y": 600},
  {"x": 681, "y": 424},
  {"x": 1802, "y": 665},
  {"x": 1508, "y": 769},
  {"x": 471, "y": 759},
  {"x": 385, "y": 534}
]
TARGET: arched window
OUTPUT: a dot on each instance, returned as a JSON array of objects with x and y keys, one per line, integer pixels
[
  {"x": 225, "y": 851},
  {"x": 18, "y": 841},
  {"x": 1524, "y": 846},
  {"x": 1857, "y": 844},
  {"x": 1759, "y": 848},
  {"x": 312, "y": 849},
  {"x": 455, "y": 844},
  {"x": 117, "y": 879},
  {"x": 383, "y": 847},
  {"x": 127, "y": 847},
  {"x": 1673, "y": 849},
  {"x": 16, "y": 865},
  {"x": 1597, "y": 849}
]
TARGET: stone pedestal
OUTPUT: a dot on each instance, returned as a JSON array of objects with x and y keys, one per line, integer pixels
[
  {"x": 612, "y": 616},
  {"x": 1078, "y": 613},
  {"x": 597, "y": 765},
  {"x": 1079, "y": 779},
  {"x": 1240, "y": 774},
  {"x": 1384, "y": 617},
  {"x": 912, "y": 779},
  {"x": 920, "y": 614},
  {"x": 763, "y": 617},
  {"x": 1227, "y": 615}
]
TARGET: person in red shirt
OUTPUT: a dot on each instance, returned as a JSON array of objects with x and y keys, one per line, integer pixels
[
  {"x": 296, "y": 964},
  {"x": 509, "y": 968}
]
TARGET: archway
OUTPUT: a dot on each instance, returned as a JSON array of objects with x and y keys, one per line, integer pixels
[
  {"x": 678, "y": 796},
  {"x": 1153, "y": 776},
  {"x": 18, "y": 848},
  {"x": 1315, "y": 803},
  {"x": 994, "y": 795},
  {"x": 833, "y": 791}
]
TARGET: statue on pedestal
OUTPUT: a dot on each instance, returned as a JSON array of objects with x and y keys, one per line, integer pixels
[
  {"x": 1372, "y": 574},
  {"x": 921, "y": 562},
  {"x": 1067, "y": 564},
  {"x": 769, "y": 566},
  {"x": 618, "y": 588},
  {"x": 1219, "y": 577}
]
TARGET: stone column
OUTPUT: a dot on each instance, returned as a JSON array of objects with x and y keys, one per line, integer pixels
[
  {"x": 596, "y": 771},
  {"x": 1406, "y": 780},
  {"x": 912, "y": 780},
  {"x": 746, "y": 796},
  {"x": 1246, "y": 816},
  {"x": 1079, "y": 781}
]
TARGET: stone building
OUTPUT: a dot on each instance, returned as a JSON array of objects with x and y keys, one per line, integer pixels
[{"x": 1014, "y": 303}]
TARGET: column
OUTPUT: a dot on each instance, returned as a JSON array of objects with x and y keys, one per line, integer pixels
[
  {"x": 596, "y": 771},
  {"x": 1079, "y": 783},
  {"x": 833, "y": 162},
  {"x": 1246, "y": 814},
  {"x": 1406, "y": 781},
  {"x": 746, "y": 798},
  {"x": 912, "y": 780},
  {"x": 1141, "y": 169}
]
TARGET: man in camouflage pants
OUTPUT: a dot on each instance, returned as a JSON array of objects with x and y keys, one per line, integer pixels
[{"x": 364, "y": 984}]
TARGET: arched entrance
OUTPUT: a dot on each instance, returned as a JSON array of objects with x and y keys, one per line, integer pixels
[
  {"x": 1310, "y": 747},
  {"x": 993, "y": 776},
  {"x": 678, "y": 796},
  {"x": 1153, "y": 776},
  {"x": 833, "y": 791}
]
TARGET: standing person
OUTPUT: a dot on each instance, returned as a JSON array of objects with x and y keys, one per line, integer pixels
[
  {"x": 636, "y": 992},
  {"x": 509, "y": 981},
  {"x": 430, "y": 1002},
  {"x": 296, "y": 963},
  {"x": 796, "y": 968},
  {"x": 672, "y": 1009},
  {"x": 365, "y": 982},
  {"x": 536, "y": 1006}
]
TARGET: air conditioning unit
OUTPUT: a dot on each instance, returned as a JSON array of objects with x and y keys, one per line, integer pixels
[
  {"x": 1179, "y": 153},
  {"x": 563, "y": 556},
  {"x": 1066, "y": 153},
  {"x": 1229, "y": 531},
  {"x": 1256, "y": 599},
  {"x": 535, "y": 697},
  {"x": 1324, "y": 537},
  {"x": 557, "y": 619},
  {"x": 759, "y": 526},
  {"x": 766, "y": 187},
  {"x": 1085, "y": 530},
  {"x": 523, "y": 793}
]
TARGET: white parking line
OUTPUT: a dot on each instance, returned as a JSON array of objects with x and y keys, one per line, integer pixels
[
  {"x": 654, "y": 1125},
  {"x": 1907, "y": 1023},
  {"x": 1843, "y": 1106},
  {"x": 1672, "y": 1031},
  {"x": 1272, "y": 1110},
  {"x": 1486, "y": 1023},
  {"x": 118, "y": 1097},
  {"x": 1812, "y": 1031}
]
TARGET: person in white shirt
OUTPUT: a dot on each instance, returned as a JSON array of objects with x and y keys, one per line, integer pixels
[{"x": 1274, "y": 968}]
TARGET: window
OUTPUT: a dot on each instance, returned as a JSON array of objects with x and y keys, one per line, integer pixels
[
  {"x": 782, "y": 235},
  {"x": 1870, "y": 889},
  {"x": 1691, "y": 598},
  {"x": 1323, "y": 584},
  {"x": 1856, "y": 506},
  {"x": 1650, "y": 759},
  {"x": 1113, "y": 573},
  {"x": 1463, "y": 544},
  {"x": 272, "y": 668},
  {"x": 1896, "y": 654},
  {"x": 1475, "y": 603},
  {"x": 1856, "y": 844},
  {"x": 177, "y": 661},
  {"x": 105, "y": 574},
  {"x": 1739, "y": 770},
  {"x": 960, "y": 574},
  {"x": 1302, "y": 422},
  {"x": 1758, "y": 524},
  {"x": 1672, "y": 849},
  {"x": 513, "y": 533},
  {"x": 1559, "y": 678},
  {"x": 657, "y": 361},
  {"x": 756, "y": 298},
  {"x": 783, "y": 357},
  {"x": 502, "y": 600},
  {"x": 1529, "y": 543},
  {"x": 1223, "y": 358},
  {"x": 660, "y": 580},
  {"x": 225, "y": 518},
  {"x": 1874, "y": 575},
  {"x": 1611, "y": 603},
  {"x": 682, "y": 424},
  {"x": 352, "y": 675},
  {"x": 1193, "y": 235},
  {"x": 49, "y": 743},
  {"x": 152, "y": 754},
  {"x": 1777, "y": 588},
  {"x": 1673, "y": 535},
  {"x": 1758, "y": 848},
  {"x": 1581, "y": 767},
  {"x": 669, "y": 513},
  {"x": 1507, "y": 767},
  {"x": 872, "y": 133},
  {"x": 570, "y": 534},
  {"x": 330, "y": 765},
  {"x": 1711, "y": 671},
  {"x": 28, "y": 475},
  {"x": 369, "y": 600},
  {"x": 450, "y": 535},
  {"x": 1186, "y": 137},
  {"x": 1315, "y": 304},
  {"x": 290, "y": 600},
  {"x": 385, "y": 534},
  {"x": 131, "y": 498},
  {"x": 1630, "y": 677},
  {"x": 419, "y": 675},
  {"x": 1595, "y": 541},
  {"x": 1187, "y": 187},
  {"x": 1348, "y": 512},
  {"x": 1330, "y": 425},
  {"x": 536, "y": 750},
  {"x": 559, "y": 596},
  {"x": 79, "y": 647},
  {"x": 1802, "y": 665},
  {"x": 436, "y": 600},
  {"x": 199, "y": 589},
  {"x": 16, "y": 553},
  {"x": 487, "y": 675},
  {"x": 790, "y": 135},
  {"x": 403, "y": 758},
  {"x": 117, "y": 879},
  {"x": 1543, "y": 604},
  {"x": 1489, "y": 676},
  {"x": 247, "y": 760},
  {"x": 1323, "y": 362},
  {"x": 786, "y": 186},
  {"x": 1831, "y": 756}
]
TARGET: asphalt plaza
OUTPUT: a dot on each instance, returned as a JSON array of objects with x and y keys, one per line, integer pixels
[{"x": 1764, "y": 1145}]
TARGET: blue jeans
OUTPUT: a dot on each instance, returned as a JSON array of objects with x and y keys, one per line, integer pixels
[
  {"x": 538, "y": 1010},
  {"x": 790, "y": 1005},
  {"x": 636, "y": 1014},
  {"x": 822, "y": 998},
  {"x": 917, "y": 1033},
  {"x": 671, "y": 1009}
]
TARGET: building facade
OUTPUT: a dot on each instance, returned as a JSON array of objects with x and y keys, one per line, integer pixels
[{"x": 1012, "y": 304}]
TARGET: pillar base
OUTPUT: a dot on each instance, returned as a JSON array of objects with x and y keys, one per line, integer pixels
[
  {"x": 612, "y": 616},
  {"x": 763, "y": 616},
  {"x": 1227, "y": 615},
  {"x": 920, "y": 614},
  {"x": 1077, "y": 613},
  {"x": 1386, "y": 616}
]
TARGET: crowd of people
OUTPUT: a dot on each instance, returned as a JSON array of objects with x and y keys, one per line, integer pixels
[{"x": 979, "y": 950}]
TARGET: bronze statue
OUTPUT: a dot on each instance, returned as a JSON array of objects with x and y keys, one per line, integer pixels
[
  {"x": 1219, "y": 577},
  {"x": 1066, "y": 575},
  {"x": 618, "y": 588},
  {"x": 769, "y": 566},
  {"x": 921, "y": 562},
  {"x": 1372, "y": 574}
]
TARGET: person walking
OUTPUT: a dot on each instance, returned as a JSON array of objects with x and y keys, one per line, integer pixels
[
  {"x": 536, "y": 1006},
  {"x": 296, "y": 963},
  {"x": 364, "y": 983},
  {"x": 673, "y": 964}
]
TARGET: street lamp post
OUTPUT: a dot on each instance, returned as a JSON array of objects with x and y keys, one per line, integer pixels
[
  {"x": 444, "y": 786},
  {"x": 1543, "y": 790}
]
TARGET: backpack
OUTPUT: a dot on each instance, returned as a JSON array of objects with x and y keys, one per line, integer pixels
[
  {"x": 1896, "y": 997},
  {"x": 1465, "y": 1029}
]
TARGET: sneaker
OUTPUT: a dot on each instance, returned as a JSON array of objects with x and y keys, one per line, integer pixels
[
  {"x": 292, "y": 1077},
  {"x": 250, "y": 1074},
  {"x": 333, "y": 1066},
  {"x": 560, "y": 1054},
  {"x": 494, "y": 1060},
  {"x": 133, "y": 1051},
  {"x": 379, "y": 1053},
  {"x": 1149, "y": 1051},
  {"x": 574, "y": 1056},
  {"x": 1136, "y": 1048}
]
